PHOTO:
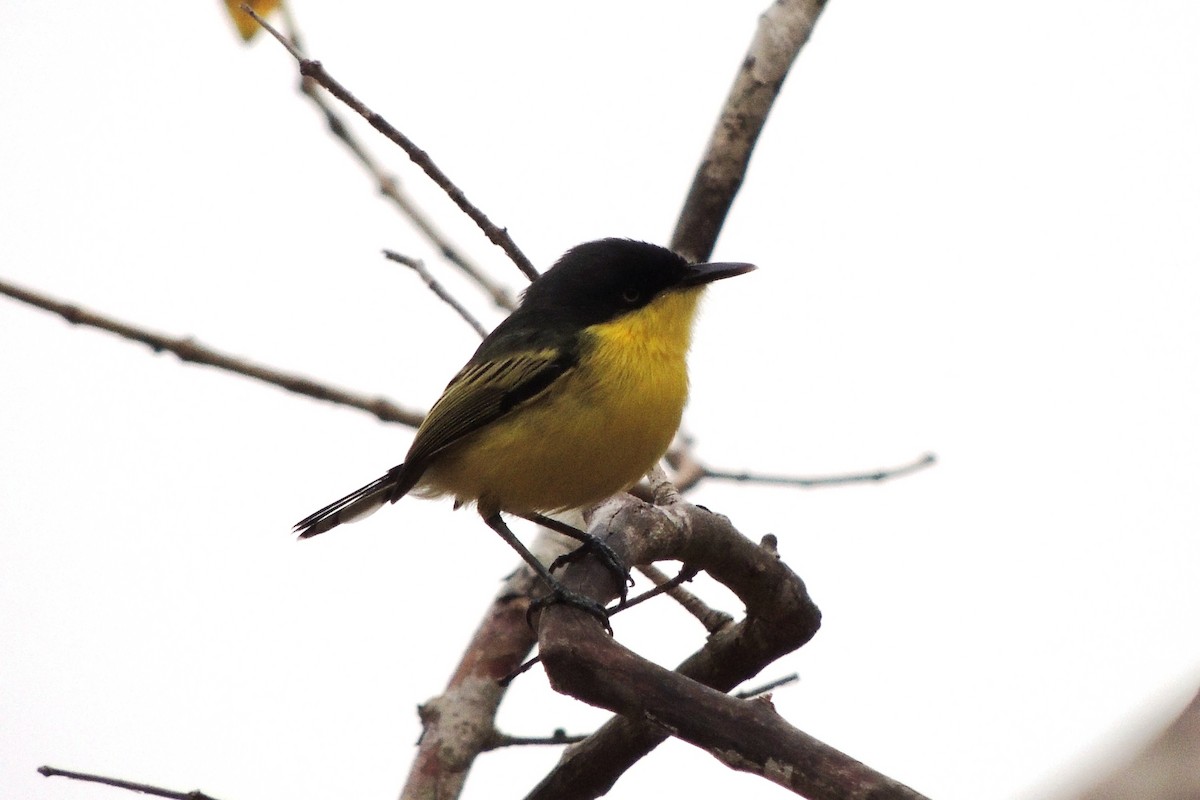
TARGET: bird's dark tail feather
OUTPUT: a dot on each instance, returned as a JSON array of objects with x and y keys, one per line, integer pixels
[{"x": 358, "y": 504}]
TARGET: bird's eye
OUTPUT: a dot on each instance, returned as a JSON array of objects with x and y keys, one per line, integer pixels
[{"x": 631, "y": 296}]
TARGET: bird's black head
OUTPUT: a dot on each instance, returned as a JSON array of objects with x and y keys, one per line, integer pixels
[{"x": 598, "y": 281}]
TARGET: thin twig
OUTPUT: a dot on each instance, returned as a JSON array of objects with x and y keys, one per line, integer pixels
[
  {"x": 878, "y": 475},
  {"x": 314, "y": 69},
  {"x": 418, "y": 266},
  {"x": 712, "y": 619},
  {"x": 766, "y": 687},
  {"x": 143, "y": 788},
  {"x": 389, "y": 185},
  {"x": 666, "y": 586},
  {"x": 187, "y": 349},
  {"x": 558, "y": 737}
]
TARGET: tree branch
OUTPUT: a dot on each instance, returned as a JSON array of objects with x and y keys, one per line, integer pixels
[
  {"x": 1165, "y": 770},
  {"x": 747, "y": 694},
  {"x": 310, "y": 68},
  {"x": 558, "y": 737},
  {"x": 459, "y": 724},
  {"x": 189, "y": 350},
  {"x": 583, "y": 661},
  {"x": 782, "y": 30},
  {"x": 418, "y": 266},
  {"x": 143, "y": 788},
  {"x": 389, "y": 185},
  {"x": 712, "y": 619},
  {"x": 690, "y": 472}
]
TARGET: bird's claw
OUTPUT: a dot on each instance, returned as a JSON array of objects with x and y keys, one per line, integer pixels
[
  {"x": 608, "y": 556},
  {"x": 560, "y": 595}
]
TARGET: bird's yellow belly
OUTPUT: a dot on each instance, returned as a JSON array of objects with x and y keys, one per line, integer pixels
[{"x": 591, "y": 434}]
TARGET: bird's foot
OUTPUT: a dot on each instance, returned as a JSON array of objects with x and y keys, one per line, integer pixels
[
  {"x": 612, "y": 562},
  {"x": 558, "y": 594}
]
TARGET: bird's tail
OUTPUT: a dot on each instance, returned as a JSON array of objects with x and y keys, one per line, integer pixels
[{"x": 358, "y": 504}]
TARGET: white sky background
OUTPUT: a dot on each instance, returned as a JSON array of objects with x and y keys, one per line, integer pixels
[{"x": 977, "y": 232}]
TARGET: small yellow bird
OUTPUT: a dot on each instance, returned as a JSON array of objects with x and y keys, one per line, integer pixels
[{"x": 572, "y": 398}]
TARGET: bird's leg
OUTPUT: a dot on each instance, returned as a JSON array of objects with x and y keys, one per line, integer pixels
[
  {"x": 590, "y": 544},
  {"x": 558, "y": 592}
]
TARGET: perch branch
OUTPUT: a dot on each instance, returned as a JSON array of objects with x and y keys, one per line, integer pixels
[{"x": 583, "y": 661}]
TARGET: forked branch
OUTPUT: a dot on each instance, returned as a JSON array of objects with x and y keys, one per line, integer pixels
[
  {"x": 690, "y": 703},
  {"x": 310, "y": 68}
]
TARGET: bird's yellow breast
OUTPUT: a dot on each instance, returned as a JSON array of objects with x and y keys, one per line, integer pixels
[{"x": 593, "y": 432}]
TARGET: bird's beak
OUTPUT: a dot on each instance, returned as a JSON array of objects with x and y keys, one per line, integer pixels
[{"x": 700, "y": 274}]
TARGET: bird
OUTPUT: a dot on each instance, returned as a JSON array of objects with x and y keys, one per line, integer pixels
[{"x": 570, "y": 399}]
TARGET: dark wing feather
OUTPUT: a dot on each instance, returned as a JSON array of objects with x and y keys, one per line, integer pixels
[{"x": 482, "y": 393}]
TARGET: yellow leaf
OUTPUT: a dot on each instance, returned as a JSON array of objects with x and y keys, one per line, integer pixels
[{"x": 245, "y": 23}]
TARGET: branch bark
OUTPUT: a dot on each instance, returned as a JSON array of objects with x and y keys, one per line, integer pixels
[
  {"x": 314, "y": 70},
  {"x": 459, "y": 724},
  {"x": 782, "y": 30},
  {"x": 188, "y": 349},
  {"x": 1167, "y": 769},
  {"x": 583, "y": 661}
]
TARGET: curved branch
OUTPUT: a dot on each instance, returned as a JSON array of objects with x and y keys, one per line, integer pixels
[{"x": 584, "y": 662}]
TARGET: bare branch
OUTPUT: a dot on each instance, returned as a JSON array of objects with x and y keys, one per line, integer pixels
[
  {"x": 583, "y": 661},
  {"x": 418, "y": 266},
  {"x": 459, "y": 723},
  {"x": 558, "y": 737},
  {"x": 143, "y": 788},
  {"x": 188, "y": 349},
  {"x": 879, "y": 475},
  {"x": 712, "y": 619},
  {"x": 782, "y": 30},
  {"x": 389, "y": 185},
  {"x": 746, "y": 694},
  {"x": 591, "y": 767},
  {"x": 1165, "y": 770},
  {"x": 314, "y": 69}
]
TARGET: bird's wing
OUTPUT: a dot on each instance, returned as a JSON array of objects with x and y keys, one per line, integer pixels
[{"x": 482, "y": 393}]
